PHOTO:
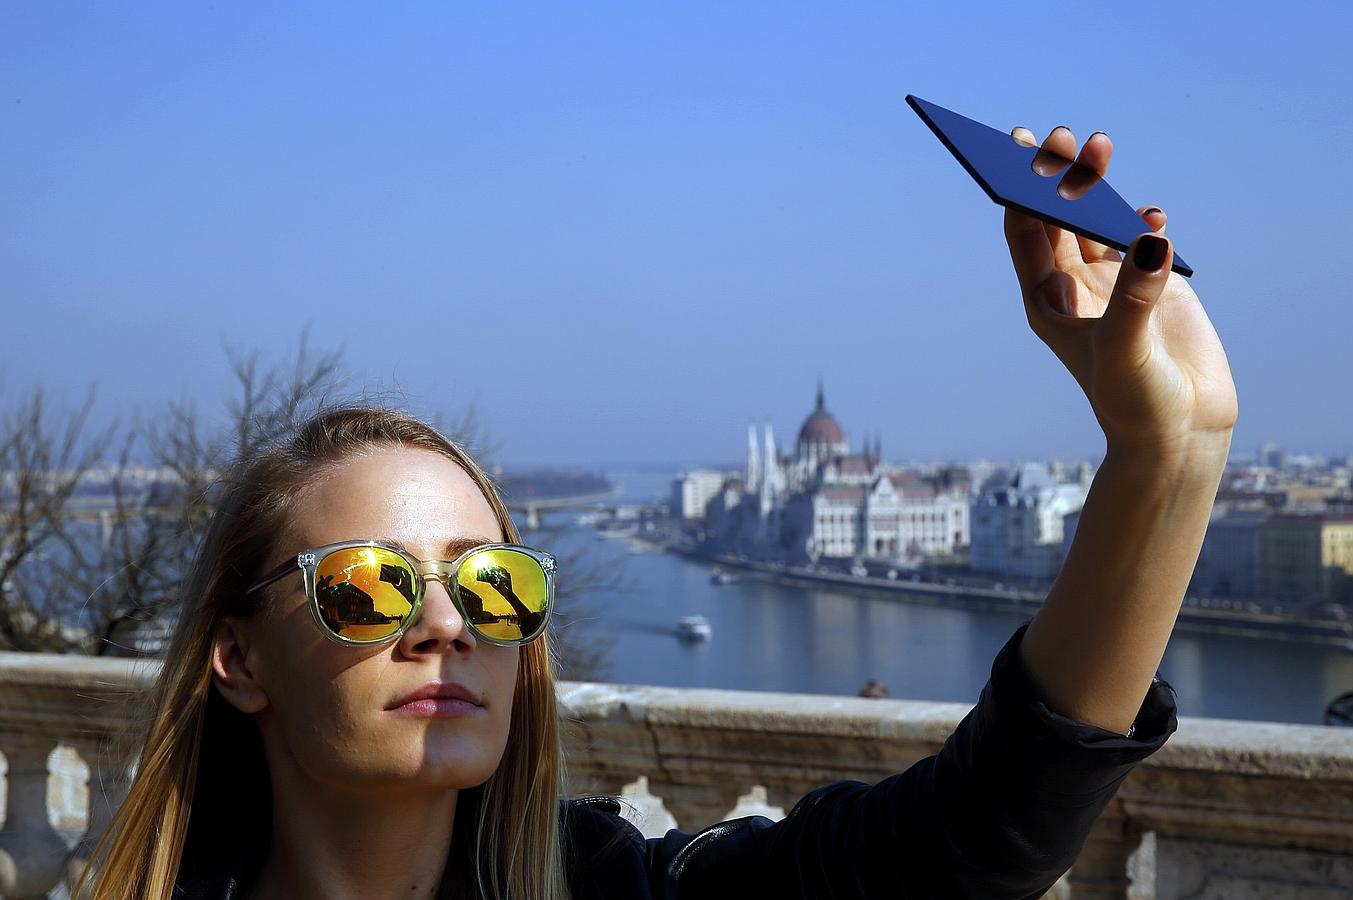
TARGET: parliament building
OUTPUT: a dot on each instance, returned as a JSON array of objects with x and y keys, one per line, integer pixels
[{"x": 825, "y": 501}]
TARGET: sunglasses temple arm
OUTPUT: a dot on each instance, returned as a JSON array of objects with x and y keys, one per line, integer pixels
[{"x": 281, "y": 571}]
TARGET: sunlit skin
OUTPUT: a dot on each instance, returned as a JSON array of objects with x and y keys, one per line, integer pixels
[
  {"x": 365, "y": 795},
  {"x": 1143, "y": 350}
]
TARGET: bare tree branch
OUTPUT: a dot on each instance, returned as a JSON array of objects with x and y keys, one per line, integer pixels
[
  {"x": 123, "y": 571},
  {"x": 41, "y": 466},
  {"x": 95, "y": 579}
]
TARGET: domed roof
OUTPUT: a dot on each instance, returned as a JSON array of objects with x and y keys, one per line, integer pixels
[{"x": 821, "y": 426}]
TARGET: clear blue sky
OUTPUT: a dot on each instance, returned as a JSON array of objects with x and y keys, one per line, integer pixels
[{"x": 626, "y": 230}]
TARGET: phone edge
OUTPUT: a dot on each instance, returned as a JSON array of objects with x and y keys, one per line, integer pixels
[{"x": 1176, "y": 266}]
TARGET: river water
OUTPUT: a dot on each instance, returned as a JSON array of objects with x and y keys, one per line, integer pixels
[{"x": 775, "y": 637}]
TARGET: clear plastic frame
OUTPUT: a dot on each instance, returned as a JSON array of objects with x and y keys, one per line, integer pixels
[{"x": 370, "y": 592}]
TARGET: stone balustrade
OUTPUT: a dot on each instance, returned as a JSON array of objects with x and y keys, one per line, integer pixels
[{"x": 1224, "y": 810}]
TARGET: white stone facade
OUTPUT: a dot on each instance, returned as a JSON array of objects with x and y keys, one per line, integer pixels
[
  {"x": 1017, "y": 524},
  {"x": 825, "y": 502},
  {"x": 692, "y": 491}
]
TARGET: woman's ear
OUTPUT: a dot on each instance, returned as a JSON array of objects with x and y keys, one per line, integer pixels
[{"x": 230, "y": 669}]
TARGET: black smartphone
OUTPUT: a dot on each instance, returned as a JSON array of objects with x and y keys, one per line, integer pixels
[{"x": 1036, "y": 182}]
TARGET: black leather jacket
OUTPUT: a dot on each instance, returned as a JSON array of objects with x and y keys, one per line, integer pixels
[{"x": 1000, "y": 812}]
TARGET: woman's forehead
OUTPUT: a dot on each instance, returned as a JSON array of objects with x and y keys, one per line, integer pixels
[{"x": 420, "y": 499}]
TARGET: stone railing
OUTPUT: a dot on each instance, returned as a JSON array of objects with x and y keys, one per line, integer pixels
[
  {"x": 63, "y": 724},
  {"x": 1225, "y": 809}
]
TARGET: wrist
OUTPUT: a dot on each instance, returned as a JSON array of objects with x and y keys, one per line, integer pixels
[{"x": 1205, "y": 452}]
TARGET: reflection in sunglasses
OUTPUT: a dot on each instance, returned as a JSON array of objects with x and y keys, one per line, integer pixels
[
  {"x": 493, "y": 570},
  {"x": 368, "y": 593},
  {"x": 345, "y": 604},
  {"x": 400, "y": 578},
  {"x": 364, "y": 593}
]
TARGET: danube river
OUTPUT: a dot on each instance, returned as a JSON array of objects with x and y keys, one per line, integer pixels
[{"x": 776, "y": 637}]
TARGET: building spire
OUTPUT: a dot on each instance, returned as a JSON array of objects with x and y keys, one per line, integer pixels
[
  {"x": 821, "y": 404},
  {"x": 753, "y": 473}
]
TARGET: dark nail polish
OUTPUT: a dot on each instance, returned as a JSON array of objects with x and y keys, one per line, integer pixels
[
  {"x": 1150, "y": 253},
  {"x": 1151, "y": 209},
  {"x": 1061, "y": 128}
]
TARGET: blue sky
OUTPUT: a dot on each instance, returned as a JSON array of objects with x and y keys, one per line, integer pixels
[{"x": 625, "y": 231}]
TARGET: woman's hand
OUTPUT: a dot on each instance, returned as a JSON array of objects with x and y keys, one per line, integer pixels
[{"x": 1131, "y": 332}]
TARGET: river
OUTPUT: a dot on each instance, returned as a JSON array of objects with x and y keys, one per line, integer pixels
[{"x": 776, "y": 637}]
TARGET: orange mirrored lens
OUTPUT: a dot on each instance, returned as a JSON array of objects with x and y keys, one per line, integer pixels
[
  {"x": 505, "y": 593},
  {"x": 365, "y": 593}
]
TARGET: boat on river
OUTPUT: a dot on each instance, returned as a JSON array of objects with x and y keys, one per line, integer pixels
[{"x": 694, "y": 628}]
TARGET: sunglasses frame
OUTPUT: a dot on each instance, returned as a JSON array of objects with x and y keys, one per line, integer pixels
[{"x": 441, "y": 570}]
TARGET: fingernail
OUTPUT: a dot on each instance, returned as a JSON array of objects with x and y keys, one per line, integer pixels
[
  {"x": 1061, "y": 128},
  {"x": 1151, "y": 209},
  {"x": 1150, "y": 253},
  {"x": 1105, "y": 133}
]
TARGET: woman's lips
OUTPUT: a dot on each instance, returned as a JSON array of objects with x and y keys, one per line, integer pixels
[
  {"x": 438, "y": 706},
  {"x": 437, "y": 698}
]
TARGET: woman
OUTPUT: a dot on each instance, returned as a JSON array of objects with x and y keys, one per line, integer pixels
[{"x": 359, "y": 699}]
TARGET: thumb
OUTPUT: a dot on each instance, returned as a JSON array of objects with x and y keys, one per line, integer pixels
[{"x": 1141, "y": 280}]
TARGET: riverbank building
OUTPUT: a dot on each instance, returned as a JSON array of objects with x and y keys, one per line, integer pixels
[
  {"x": 1020, "y": 522},
  {"x": 825, "y": 501}
]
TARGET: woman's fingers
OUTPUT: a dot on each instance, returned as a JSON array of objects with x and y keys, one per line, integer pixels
[
  {"x": 1030, "y": 250},
  {"x": 1154, "y": 217},
  {"x": 1141, "y": 279},
  {"x": 1053, "y": 158},
  {"x": 1055, "y": 153},
  {"x": 1037, "y": 259},
  {"x": 1037, "y": 249},
  {"x": 1089, "y": 168},
  {"x": 1094, "y": 251}
]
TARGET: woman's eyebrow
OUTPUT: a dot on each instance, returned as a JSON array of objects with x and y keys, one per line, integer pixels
[{"x": 455, "y": 547}]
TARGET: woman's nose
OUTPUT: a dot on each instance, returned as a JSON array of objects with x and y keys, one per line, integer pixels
[{"x": 440, "y": 626}]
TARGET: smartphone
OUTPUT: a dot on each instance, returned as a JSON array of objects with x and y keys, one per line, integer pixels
[{"x": 1037, "y": 183}]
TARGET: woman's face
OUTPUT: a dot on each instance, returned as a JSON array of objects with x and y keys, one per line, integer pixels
[{"x": 335, "y": 711}]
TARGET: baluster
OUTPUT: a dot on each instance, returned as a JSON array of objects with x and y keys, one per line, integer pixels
[
  {"x": 32, "y": 853},
  {"x": 754, "y": 803},
  {"x": 696, "y": 805},
  {"x": 644, "y": 809},
  {"x": 109, "y": 779}
]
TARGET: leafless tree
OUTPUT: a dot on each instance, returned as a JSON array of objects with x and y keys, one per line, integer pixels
[
  {"x": 128, "y": 579},
  {"x": 41, "y": 465},
  {"x": 102, "y": 580}
]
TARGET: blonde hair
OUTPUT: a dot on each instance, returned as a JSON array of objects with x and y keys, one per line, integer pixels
[{"x": 202, "y": 777}]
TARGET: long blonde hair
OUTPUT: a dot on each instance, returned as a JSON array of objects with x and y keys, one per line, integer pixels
[{"x": 201, "y": 780}]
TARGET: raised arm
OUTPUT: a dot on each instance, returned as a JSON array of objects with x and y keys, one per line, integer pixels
[
  {"x": 1137, "y": 340},
  {"x": 1004, "y": 808}
]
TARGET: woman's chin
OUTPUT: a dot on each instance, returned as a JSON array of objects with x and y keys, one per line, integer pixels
[{"x": 449, "y": 767}]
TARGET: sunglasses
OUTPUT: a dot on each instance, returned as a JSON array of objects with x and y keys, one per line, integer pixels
[{"x": 366, "y": 592}]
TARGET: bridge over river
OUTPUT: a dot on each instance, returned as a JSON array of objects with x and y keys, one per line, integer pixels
[
  {"x": 106, "y": 516},
  {"x": 532, "y": 507}
]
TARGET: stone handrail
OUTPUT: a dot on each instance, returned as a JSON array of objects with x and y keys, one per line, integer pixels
[{"x": 1225, "y": 809}]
